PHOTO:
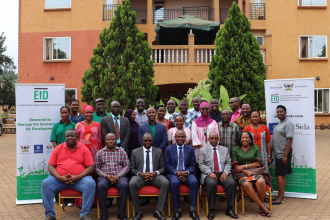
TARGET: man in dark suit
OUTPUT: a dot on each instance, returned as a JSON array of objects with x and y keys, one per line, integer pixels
[
  {"x": 180, "y": 164},
  {"x": 117, "y": 125},
  {"x": 158, "y": 131},
  {"x": 215, "y": 164},
  {"x": 147, "y": 168}
]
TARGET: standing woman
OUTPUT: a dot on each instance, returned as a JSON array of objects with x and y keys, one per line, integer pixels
[
  {"x": 261, "y": 137},
  {"x": 201, "y": 129},
  {"x": 134, "y": 129},
  {"x": 179, "y": 122},
  {"x": 161, "y": 112},
  {"x": 89, "y": 134}
]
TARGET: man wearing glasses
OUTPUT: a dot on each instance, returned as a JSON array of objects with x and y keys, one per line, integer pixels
[{"x": 235, "y": 106}]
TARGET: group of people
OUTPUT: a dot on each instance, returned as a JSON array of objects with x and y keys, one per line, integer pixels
[{"x": 163, "y": 148}]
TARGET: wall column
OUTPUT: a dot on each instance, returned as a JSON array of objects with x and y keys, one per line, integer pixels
[
  {"x": 191, "y": 44},
  {"x": 247, "y": 9},
  {"x": 216, "y": 11},
  {"x": 149, "y": 12},
  {"x": 240, "y": 4},
  {"x": 269, "y": 58},
  {"x": 120, "y": 1}
]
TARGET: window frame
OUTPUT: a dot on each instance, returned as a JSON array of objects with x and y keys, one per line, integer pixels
[
  {"x": 326, "y": 4},
  {"x": 76, "y": 94},
  {"x": 54, "y": 60},
  {"x": 326, "y": 51},
  {"x": 316, "y": 111},
  {"x": 57, "y": 5},
  {"x": 263, "y": 43}
]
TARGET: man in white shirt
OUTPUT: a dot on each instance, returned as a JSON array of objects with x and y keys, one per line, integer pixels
[
  {"x": 170, "y": 109},
  {"x": 196, "y": 102}
]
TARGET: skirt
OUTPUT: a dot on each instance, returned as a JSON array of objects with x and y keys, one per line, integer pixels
[
  {"x": 282, "y": 170},
  {"x": 250, "y": 178}
]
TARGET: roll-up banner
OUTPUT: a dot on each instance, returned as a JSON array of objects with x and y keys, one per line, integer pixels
[
  {"x": 37, "y": 110},
  {"x": 297, "y": 95}
]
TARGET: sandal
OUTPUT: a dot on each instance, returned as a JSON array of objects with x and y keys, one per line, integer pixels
[
  {"x": 268, "y": 214},
  {"x": 278, "y": 203},
  {"x": 262, "y": 213}
]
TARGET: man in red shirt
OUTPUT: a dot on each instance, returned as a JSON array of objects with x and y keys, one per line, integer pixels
[{"x": 70, "y": 166}]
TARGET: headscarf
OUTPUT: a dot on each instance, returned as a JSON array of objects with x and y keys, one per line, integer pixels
[
  {"x": 134, "y": 129},
  {"x": 128, "y": 114},
  {"x": 88, "y": 107},
  {"x": 203, "y": 121}
]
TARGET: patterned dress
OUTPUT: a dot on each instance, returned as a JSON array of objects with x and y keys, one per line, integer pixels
[{"x": 242, "y": 122}]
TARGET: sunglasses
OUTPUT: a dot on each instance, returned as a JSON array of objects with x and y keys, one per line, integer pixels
[
  {"x": 147, "y": 140},
  {"x": 205, "y": 109},
  {"x": 232, "y": 102}
]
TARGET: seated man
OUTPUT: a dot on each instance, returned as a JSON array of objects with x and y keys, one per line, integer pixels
[
  {"x": 147, "y": 168},
  {"x": 112, "y": 164},
  {"x": 70, "y": 166},
  {"x": 215, "y": 165},
  {"x": 180, "y": 164}
]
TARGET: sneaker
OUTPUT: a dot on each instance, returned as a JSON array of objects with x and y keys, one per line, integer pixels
[
  {"x": 70, "y": 204},
  {"x": 85, "y": 217},
  {"x": 49, "y": 217}
]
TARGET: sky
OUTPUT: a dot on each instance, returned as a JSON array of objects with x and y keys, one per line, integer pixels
[{"x": 9, "y": 25}]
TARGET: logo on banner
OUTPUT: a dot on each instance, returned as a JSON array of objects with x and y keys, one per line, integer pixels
[
  {"x": 275, "y": 98},
  {"x": 38, "y": 149},
  {"x": 25, "y": 148},
  {"x": 302, "y": 126},
  {"x": 288, "y": 87},
  {"x": 40, "y": 95},
  {"x": 271, "y": 127},
  {"x": 49, "y": 148}
]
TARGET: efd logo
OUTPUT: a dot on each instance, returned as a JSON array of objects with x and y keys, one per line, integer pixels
[
  {"x": 40, "y": 95},
  {"x": 275, "y": 98},
  {"x": 38, "y": 149}
]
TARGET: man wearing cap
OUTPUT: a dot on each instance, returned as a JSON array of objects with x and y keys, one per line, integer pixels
[{"x": 100, "y": 110}]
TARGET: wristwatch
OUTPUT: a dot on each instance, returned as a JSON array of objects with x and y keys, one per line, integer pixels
[
  {"x": 226, "y": 173},
  {"x": 269, "y": 155}
]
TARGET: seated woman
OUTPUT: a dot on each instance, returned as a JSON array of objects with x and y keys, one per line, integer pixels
[{"x": 248, "y": 163}]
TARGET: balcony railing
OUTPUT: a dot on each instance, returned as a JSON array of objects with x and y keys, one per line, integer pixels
[
  {"x": 162, "y": 14},
  {"x": 168, "y": 54},
  {"x": 141, "y": 16},
  {"x": 109, "y": 13},
  {"x": 223, "y": 15},
  {"x": 258, "y": 11},
  {"x": 204, "y": 55}
]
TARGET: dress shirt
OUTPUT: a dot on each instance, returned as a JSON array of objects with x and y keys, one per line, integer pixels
[
  {"x": 114, "y": 122},
  {"x": 192, "y": 110},
  {"x": 219, "y": 160},
  {"x": 111, "y": 162},
  {"x": 150, "y": 161},
  {"x": 169, "y": 115},
  {"x": 235, "y": 115},
  {"x": 141, "y": 119},
  {"x": 188, "y": 118},
  {"x": 153, "y": 129},
  {"x": 178, "y": 150}
]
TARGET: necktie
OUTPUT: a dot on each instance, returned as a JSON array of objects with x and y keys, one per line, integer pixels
[
  {"x": 180, "y": 160},
  {"x": 215, "y": 159},
  {"x": 117, "y": 128},
  {"x": 147, "y": 162}
]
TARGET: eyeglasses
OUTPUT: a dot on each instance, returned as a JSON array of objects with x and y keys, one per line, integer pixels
[
  {"x": 147, "y": 140},
  {"x": 232, "y": 102},
  {"x": 205, "y": 109}
]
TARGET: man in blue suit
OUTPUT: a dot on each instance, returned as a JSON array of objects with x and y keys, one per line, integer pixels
[{"x": 180, "y": 164}]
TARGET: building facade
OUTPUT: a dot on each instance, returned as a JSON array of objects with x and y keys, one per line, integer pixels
[{"x": 56, "y": 39}]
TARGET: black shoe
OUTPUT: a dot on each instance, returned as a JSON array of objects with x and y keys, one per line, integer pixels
[
  {"x": 121, "y": 217},
  {"x": 177, "y": 215},
  {"x": 231, "y": 214},
  {"x": 187, "y": 199},
  {"x": 109, "y": 202},
  {"x": 222, "y": 198},
  {"x": 104, "y": 217},
  {"x": 159, "y": 215},
  {"x": 211, "y": 214},
  {"x": 145, "y": 201},
  {"x": 138, "y": 216},
  {"x": 193, "y": 215}
]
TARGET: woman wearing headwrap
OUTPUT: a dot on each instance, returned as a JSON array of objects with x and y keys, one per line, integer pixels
[
  {"x": 89, "y": 134},
  {"x": 201, "y": 129},
  {"x": 134, "y": 128}
]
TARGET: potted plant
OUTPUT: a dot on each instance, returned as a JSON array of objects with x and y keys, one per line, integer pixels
[
  {"x": 13, "y": 110},
  {"x": 143, "y": 21},
  {"x": 4, "y": 116}
]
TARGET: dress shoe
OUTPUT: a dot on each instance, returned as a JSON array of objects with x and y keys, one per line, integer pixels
[
  {"x": 49, "y": 217},
  {"x": 121, "y": 217},
  {"x": 138, "y": 216},
  {"x": 231, "y": 213},
  {"x": 193, "y": 215},
  {"x": 109, "y": 203},
  {"x": 145, "y": 201},
  {"x": 222, "y": 198},
  {"x": 211, "y": 214},
  {"x": 177, "y": 215},
  {"x": 104, "y": 217},
  {"x": 159, "y": 215}
]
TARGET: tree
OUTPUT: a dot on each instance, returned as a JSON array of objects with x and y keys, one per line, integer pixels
[
  {"x": 121, "y": 68},
  {"x": 9, "y": 70},
  {"x": 7, "y": 91},
  {"x": 238, "y": 64},
  {"x": 4, "y": 59}
]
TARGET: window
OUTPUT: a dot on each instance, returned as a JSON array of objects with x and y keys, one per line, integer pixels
[
  {"x": 312, "y": 2},
  {"x": 70, "y": 94},
  {"x": 321, "y": 100},
  {"x": 57, "y": 4},
  {"x": 260, "y": 40},
  {"x": 313, "y": 47},
  {"x": 57, "y": 48}
]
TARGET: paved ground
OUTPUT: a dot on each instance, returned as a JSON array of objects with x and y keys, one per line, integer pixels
[{"x": 292, "y": 209}]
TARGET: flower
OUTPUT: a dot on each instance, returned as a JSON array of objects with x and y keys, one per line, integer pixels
[{"x": 249, "y": 178}]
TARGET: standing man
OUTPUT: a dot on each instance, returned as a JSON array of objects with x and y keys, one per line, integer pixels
[
  {"x": 117, "y": 125},
  {"x": 282, "y": 141},
  {"x": 180, "y": 164},
  {"x": 170, "y": 109},
  {"x": 100, "y": 110},
  {"x": 215, "y": 164},
  {"x": 74, "y": 116},
  {"x": 147, "y": 168},
  {"x": 158, "y": 131},
  {"x": 229, "y": 132},
  {"x": 235, "y": 104},
  {"x": 215, "y": 114},
  {"x": 189, "y": 117},
  {"x": 112, "y": 164},
  {"x": 70, "y": 166},
  {"x": 245, "y": 119},
  {"x": 196, "y": 102},
  {"x": 141, "y": 113}
]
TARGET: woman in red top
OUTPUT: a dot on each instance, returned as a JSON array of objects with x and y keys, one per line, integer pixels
[
  {"x": 161, "y": 111},
  {"x": 261, "y": 136}
]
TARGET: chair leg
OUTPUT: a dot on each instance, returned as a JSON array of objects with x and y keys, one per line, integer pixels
[
  {"x": 168, "y": 204},
  {"x": 59, "y": 206},
  {"x": 128, "y": 216},
  {"x": 198, "y": 203},
  {"x": 201, "y": 197},
  {"x": 98, "y": 209},
  {"x": 207, "y": 206},
  {"x": 62, "y": 202},
  {"x": 242, "y": 194},
  {"x": 236, "y": 204},
  {"x": 270, "y": 200},
  {"x": 133, "y": 209}
]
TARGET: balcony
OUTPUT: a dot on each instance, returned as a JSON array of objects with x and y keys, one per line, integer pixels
[
  {"x": 160, "y": 15},
  {"x": 224, "y": 14},
  {"x": 258, "y": 11},
  {"x": 109, "y": 13}
]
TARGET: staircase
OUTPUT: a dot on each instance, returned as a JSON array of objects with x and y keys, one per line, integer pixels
[{"x": 10, "y": 125}]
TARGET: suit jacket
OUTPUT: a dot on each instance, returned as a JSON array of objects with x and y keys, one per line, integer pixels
[
  {"x": 108, "y": 126},
  {"x": 172, "y": 159},
  {"x": 160, "y": 140},
  {"x": 206, "y": 160},
  {"x": 137, "y": 161}
]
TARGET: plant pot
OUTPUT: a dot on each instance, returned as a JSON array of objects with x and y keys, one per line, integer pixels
[
  {"x": 143, "y": 22},
  {"x": 322, "y": 127}
]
